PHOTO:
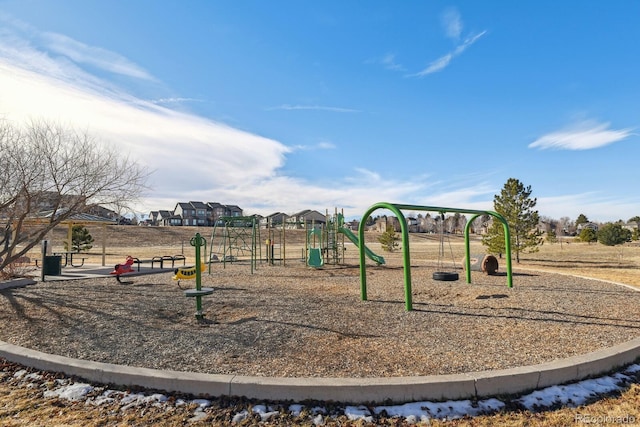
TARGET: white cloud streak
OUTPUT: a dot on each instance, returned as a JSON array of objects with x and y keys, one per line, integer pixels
[
  {"x": 41, "y": 50},
  {"x": 324, "y": 145},
  {"x": 314, "y": 107},
  {"x": 586, "y": 135},
  {"x": 442, "y": 62},
  {"x": 100, "y": 58},
  {"x": 389, "y": 62},
  {"x": 452, "y": 23},
  {"x": 175, "y": 100}
]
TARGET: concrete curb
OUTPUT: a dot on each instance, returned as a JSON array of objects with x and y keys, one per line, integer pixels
[{"x": 347, "y": 390}]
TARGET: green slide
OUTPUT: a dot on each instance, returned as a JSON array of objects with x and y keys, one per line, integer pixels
[
  {"x": 354, "y": 239},
  {"x": 315, "y": 258}
]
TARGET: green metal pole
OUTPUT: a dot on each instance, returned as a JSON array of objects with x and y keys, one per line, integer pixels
[
  {"x": 405, "y": 252},
  {"x": 467, "y": 248},
  {"x": 197, "y": 242},
  {"x": 253, "y": 244},
  {"x": 396, "y": 209},
  {"x": 507, "y": 246}
]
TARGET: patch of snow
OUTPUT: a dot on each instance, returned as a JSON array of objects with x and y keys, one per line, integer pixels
[
  {"x": 33, "y": 376},
  {"x": 140, "y": 399},
  {"x": 296, "y": 409},
  {"x": 202, "y": 403},
  {"x": 449, "y": 410},
  {"x": 358, "y": 413},
  {"x": 633, "y": 369},
  {"x": 74, "y": 392},
  {"x": 19, "y": 374},
  {"x": 572, "y": 395},
  {"x": 198, "y": 415},
  {"x": 108, "y": 396},
  {"x": 240, "y": 417},
  {"x": 264, "y": 412}
]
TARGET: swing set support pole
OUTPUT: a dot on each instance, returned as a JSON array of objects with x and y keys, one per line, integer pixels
[{"x": 406, "y": 260}]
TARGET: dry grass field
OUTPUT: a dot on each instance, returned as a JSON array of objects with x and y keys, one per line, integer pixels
[{"x": 26, "y": 407}]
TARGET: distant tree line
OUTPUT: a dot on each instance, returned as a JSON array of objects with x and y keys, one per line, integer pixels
[{"x": 527, "y": 228}]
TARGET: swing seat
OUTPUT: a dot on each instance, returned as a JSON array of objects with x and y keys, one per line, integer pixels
[{"x": 446, "y": 276}]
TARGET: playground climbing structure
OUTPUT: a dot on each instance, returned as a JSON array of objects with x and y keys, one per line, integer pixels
[
  {"x": 236, "y": 239},
  {"x": 326, "y": 243}
]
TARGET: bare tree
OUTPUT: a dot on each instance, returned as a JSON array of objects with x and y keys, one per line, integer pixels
[
  {"x": 51, "y": 173},
  {"x": 565, "y": 226},
  {"x": 481, "y": 223}
]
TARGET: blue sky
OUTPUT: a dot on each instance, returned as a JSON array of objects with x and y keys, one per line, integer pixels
[{"x": 289, "y": 105}]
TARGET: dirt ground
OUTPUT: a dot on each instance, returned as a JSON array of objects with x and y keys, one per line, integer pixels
[{"x": 619, "y": 264}]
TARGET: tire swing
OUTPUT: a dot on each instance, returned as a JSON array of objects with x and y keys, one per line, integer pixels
[{"x": 441, "y": 274}]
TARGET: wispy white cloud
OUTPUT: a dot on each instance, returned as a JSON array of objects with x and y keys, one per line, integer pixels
[
  {"x": 368, "y": 175},
  {"x": 452, "y": 23},
  {"x": 103, "y": 59},
  {"x": 174, "y": 100},
  {"x": 323, "y": 145},
  {"x": 442, "y": 62},
  {"x": 203, "y": 153},
  {"x": 326, "y": 145},
  {"x": 389, "y": 62},
  {"x": 27, "y": 45},
  {"x": 314, "y": 107},
  {"x": 585, "y": 135}
]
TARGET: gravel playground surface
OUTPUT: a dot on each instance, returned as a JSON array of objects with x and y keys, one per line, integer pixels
[{"x": 298, "y": 322}]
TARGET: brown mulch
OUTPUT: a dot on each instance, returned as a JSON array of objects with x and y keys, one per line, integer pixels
[{"x": 298, "y": 322}]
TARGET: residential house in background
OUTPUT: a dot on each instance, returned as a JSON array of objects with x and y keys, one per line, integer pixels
[
  {"x": 193, "y": 213},
  {"x": 167, "y": 218},
  {"x": 233, "y": 210},
  {"x": 216, "y": 210},
  {"x": 187, "y": 212},
  {"x": 276, "y": 219},
  {"x": 305, "y": 219},
  {"x": 153, "y": 218},
  {"x": 592, "y": 225},
  {"x": 352, "y": 225},
  {"x": 413, "y": 225}
]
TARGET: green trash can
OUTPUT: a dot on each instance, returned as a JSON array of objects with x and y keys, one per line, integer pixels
[{"x": 52, "y": 265}]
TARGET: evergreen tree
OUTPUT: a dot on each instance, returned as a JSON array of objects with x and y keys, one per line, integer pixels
[
  {"x": 588, "y": 235},
  {"x": 613, "y": 234},
  {"x": 515, "y": 204},
  {"x": 389, "y": 240},
  {"x": 582, "y": 219},
  {"x": 552, "y": 237},
  {"x": 81, "y": 240},
  {"x": 635, "y": 234}
]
